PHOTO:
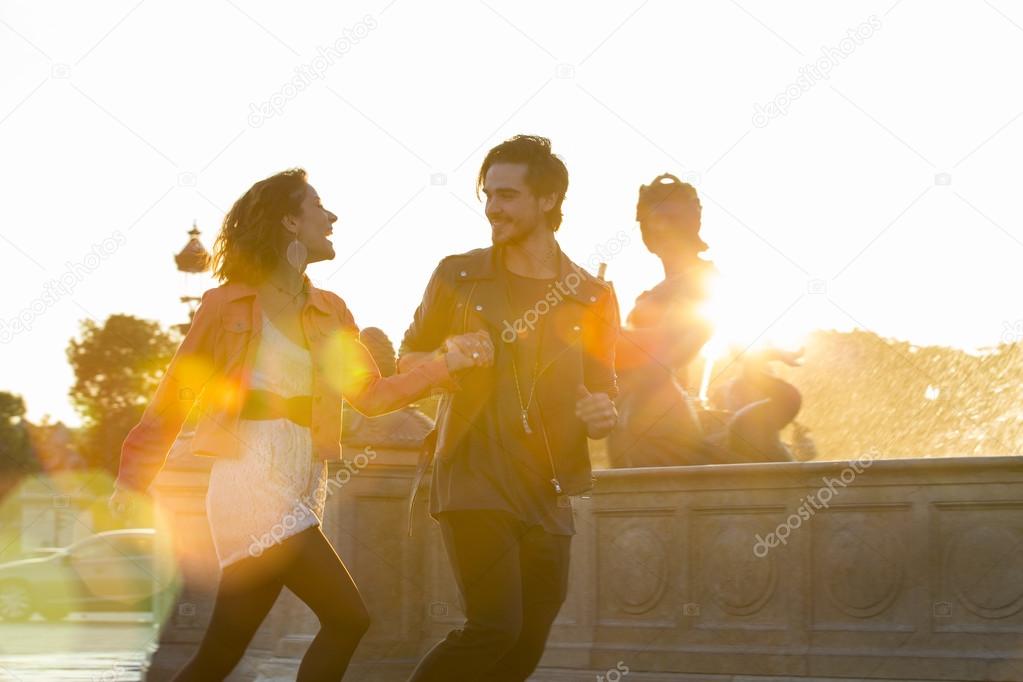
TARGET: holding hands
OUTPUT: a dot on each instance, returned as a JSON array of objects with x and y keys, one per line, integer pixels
[
  {"x": 468, "y": 350},
  {"x": 476, "y": 349}
]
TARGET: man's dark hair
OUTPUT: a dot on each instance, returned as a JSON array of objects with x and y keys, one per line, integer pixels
[{"x": 545, "y": 172}]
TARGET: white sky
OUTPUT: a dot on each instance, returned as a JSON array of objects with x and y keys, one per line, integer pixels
[{"x": 135, "y": 117}]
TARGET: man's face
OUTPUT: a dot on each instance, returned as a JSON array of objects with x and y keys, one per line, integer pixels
[{"x": 513, "y": 210}]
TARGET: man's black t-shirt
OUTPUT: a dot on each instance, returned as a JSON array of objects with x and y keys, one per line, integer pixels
[{"x": 514, "y": 474}]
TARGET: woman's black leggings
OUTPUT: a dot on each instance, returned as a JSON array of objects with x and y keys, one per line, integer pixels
[{"x": 308, "y": 566}]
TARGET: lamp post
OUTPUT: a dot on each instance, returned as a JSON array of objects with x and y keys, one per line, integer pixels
[{"x": 192, "y": 260}]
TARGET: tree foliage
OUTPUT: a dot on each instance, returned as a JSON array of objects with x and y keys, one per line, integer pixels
[
  {"x": 117, "y": 367},
  {"x": 16, "y": 457}
]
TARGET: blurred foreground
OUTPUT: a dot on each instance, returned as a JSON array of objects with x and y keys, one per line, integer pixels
[{"x": 96, "y": 647}]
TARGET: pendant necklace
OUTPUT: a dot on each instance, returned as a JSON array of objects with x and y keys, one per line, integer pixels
[{"x": 525, "y": 405}]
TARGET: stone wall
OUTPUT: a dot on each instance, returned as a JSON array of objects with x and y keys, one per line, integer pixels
[{"x": 886, "y": 570}]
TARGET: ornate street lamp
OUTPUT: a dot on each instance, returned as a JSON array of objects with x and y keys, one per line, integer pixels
[{"x": 193, "y": 259}]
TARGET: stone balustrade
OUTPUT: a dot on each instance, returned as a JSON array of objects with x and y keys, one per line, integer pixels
[{"x": 867, "y": 570}]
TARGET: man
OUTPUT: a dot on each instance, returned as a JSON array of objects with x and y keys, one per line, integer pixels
[
  {"x": 663, "y": 335},
  {"x": 511, "y": 444}
]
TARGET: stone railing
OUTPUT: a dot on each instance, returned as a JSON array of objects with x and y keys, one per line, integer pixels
[{"x": 872, "y": 570}]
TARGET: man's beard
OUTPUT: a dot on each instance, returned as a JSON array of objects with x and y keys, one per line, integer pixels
[{"x": 513, "y": 233}]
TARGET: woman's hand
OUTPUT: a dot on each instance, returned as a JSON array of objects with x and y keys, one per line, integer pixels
[
  {"x": 469, "y": 350},
  {"x": 121, "y": 503}
]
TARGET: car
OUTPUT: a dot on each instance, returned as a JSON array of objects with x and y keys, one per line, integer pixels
[{"x": 109, "y": 571}]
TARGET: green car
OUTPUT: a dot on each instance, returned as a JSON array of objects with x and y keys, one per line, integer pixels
[{"x": 111, "y": 571}]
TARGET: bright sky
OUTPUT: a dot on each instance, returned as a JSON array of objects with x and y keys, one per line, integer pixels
[{"x": 880, "y": 196}]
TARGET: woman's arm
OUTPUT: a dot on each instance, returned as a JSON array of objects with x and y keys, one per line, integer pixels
[
  {"x": 477, "y": 342},
  {"x": 145, "y": 449},
  {"x": 409, "y": 361},
  {"x": 371, "y": 394}
]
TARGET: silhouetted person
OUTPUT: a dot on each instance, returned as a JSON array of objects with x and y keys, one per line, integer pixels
[{"x": 663, "y": 335}]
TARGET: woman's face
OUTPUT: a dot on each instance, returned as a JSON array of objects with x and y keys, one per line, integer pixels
[{"x": 313, "y": 226}]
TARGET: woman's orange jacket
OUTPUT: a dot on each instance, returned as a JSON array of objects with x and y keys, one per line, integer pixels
[{"x": 212, "y": 367}]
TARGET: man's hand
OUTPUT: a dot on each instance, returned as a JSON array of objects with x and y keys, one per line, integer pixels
[
  {"x": 469, "y": 350},
  {"x": 597, "y": 411}
]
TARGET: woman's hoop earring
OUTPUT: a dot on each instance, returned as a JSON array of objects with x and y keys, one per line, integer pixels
[{"x": 297, "y": 254}]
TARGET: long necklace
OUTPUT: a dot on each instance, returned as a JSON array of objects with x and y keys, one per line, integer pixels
[{"x": 525, "y": 405}]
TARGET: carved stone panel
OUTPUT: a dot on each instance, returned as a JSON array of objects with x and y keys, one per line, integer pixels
[
  {"x": 733, "y": 586},
  {"x": 980, "y": 548},
  {"x": 635, "y": 580},
  {"x": 862, "y": 572}
]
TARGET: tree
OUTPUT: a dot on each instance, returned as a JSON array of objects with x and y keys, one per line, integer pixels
[
  {"x": 16, "y": 457},
  {"x": 117, "y": 368}
]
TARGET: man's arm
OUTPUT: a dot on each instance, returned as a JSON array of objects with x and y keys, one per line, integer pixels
[
  {"x": 428, "y": 337},
  {"x": 594, "y": 404},
  {"x": 425, "y": 336},
  {"x": 600, "y": 337}
]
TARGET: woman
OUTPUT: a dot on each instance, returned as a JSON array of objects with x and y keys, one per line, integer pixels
[{"x": 266, "y": 362}]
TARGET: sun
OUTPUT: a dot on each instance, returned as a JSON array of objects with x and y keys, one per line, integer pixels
[{"x": 743, "y": 315}]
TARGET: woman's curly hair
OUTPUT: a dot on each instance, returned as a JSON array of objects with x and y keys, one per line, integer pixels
[{"x": 252, "y": 239}]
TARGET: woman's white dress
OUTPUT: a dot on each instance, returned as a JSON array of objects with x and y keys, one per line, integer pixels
[{"x": 274, "y": 489}]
